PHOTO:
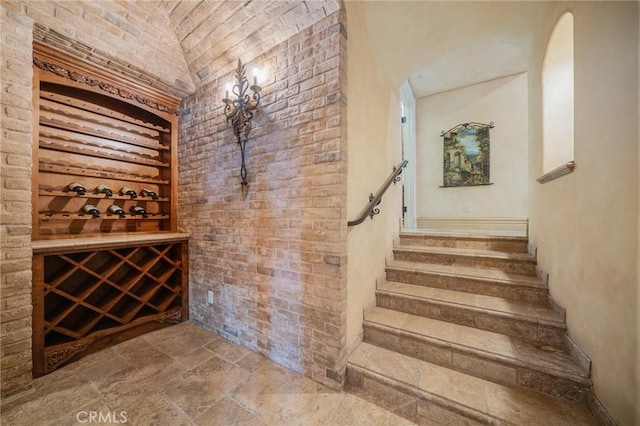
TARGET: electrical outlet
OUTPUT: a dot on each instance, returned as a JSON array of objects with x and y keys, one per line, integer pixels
[
  {"x": 467, "y": 208},
  {"x": 210, "y": 297}
]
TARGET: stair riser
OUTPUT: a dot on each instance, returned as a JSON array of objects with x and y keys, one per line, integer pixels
[
  {"x": 469, "y": 285},
  {"x": 407, "y": 404},
  {"x": 475, "y": 364},
  {"x": 494, "y": 245},
  {"x": 506, "y": 265},
  {"x": 486, "y": 321}
]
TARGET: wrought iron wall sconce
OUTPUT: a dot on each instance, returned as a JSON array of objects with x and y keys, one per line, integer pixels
[{"x": 239, "y": 109}]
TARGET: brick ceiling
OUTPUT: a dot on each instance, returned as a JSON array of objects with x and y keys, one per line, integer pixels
[
  {"x": 214, "y": 34},
  {"x": 175, "y": 46}
]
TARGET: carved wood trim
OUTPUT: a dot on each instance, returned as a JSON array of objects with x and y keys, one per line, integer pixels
[
  {"x": 109, "y": 88},
  {"x": 171, "y": 316},
  {"x": 102, "y": 80},
  {"x": 56, "y": 357}
]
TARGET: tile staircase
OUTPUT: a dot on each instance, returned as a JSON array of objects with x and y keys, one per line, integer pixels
[{"x": 463, "y": 332}]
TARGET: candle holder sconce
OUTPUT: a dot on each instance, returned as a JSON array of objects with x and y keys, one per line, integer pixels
[{"x": 239, "y": 109}]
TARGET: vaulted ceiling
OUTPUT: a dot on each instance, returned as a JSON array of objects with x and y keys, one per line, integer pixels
[
  {"x": 181, "y": 45},
  {"x": 214, "y": 34},
  {"x": 443, "y": 45},
  {"x": 176, "y": 46}
]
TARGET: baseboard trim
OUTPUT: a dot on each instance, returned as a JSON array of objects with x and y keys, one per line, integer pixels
[
  {"x": 599, "y": 411},
  {"x": 496, "y": 224}
]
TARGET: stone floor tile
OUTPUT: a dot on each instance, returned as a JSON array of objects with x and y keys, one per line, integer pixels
[
  {"x": 150, "y": 409},
  {"x": 401, "y": 367},
  {"x": 229, "y": 413},
  {"x": 80, "y": 415},
  {"x": 272, "y": 379},
  {"x": 454, "y": 296},
  {"x": 523, "y": 407},
  {"x": 548, "y": 314},
  {"x": 138, "y": 351},
  {"x": 360, "y": 356},
  {"x": 195, "y": 358},
  {"x": 387, "y": 317},
  {"x": 227, "y": 350},
  {"x": 252, "y": 362},
  {"x": 303, "y": 409},
  {"x": 279, "y": 396},
  {"x": 77, "y": 367},
  {"x": 409, "y": 289},
  {"x": 356, "y": 411},
  {"x": 481, "y": 339},
  {"x": 182, "y": 340},
  {"x": 106, "y": 369},
  {"x": 137, "y": 381},
  {"x": 578, "y": 414},
  {"x": 429, "y": 327},
  {"x": 462, "y": 388},
  {"x": 504, "y": 305},
  {"x": 198, "y": 389},
  {"x": 545, "y": 355},
  {"x": 49, "y": 402}
]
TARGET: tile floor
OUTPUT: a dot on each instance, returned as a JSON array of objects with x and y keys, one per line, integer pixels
[{"x": 185, "y": 375}]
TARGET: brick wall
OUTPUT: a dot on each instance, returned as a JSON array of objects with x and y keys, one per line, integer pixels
[
  {"x": 15, "y": 187},
  {"x": 134, "y": 38},
  {"x": 286, "y": 240},
  {"x": 276, "y": 262}
]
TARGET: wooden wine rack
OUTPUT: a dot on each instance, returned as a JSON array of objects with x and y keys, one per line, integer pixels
[
  {"x": 101, "y": 280},
  {"x": 84, "y": 298},
  {"x": 94, "y": 130}
]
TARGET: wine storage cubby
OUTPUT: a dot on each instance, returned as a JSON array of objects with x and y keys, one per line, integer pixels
[
  {"x": 84, "y": 298},
  {"x": 108, "y": 263}
]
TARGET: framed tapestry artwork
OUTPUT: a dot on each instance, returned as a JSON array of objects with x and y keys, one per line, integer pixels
[{"x": 467, "y": 160}]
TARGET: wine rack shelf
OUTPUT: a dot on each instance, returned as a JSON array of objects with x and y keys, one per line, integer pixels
[
  {"x": 83, "y": 298},
  {"x": 54, "y": 193},
  {"x": 99, "y": 152},
  {"x": 95, "y": 137},
  {"x": 100, "y": 280},
  {"x": 80, "y": 216}
]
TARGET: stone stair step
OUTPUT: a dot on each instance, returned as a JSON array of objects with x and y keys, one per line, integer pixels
[
  {"x": 497, "y": 357},
  {"x": 470, "y": 280},
  {"x": 540, "y": 322},
  {"x": 519, "y": 263},
  {"x": 424, "y": 393},
  {"x": 465, "y": 241}
]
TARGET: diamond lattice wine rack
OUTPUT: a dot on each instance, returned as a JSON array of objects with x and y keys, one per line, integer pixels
[{"x": 108, "y": 263}]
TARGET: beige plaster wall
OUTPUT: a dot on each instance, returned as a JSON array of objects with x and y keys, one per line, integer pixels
[
  {"x": 503, "y": 101},
  {"x": 586, "y": 224},
  {"x": 373, "y": 132},
  {"x": 557, "y": 96}
]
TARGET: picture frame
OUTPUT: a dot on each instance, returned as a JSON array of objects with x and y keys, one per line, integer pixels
[{"x": 467, "y": 155}]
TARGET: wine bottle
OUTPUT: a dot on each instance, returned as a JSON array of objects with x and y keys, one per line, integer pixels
[
  {"x": 115, "y": 209},
  {"x": 149, "y": 193},
  {"x": 76, "y": 187},
  {"x": 128, "y": 191},
  {"x": 104, "y": 189},
  {"x": 92, "y": 210},
  {"x": 137, "y": 210}
]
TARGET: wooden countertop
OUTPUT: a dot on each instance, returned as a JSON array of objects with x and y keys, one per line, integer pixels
[{"x": 91, "y": 243}]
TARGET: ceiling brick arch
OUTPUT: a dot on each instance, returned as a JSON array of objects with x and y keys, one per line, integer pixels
[
  {"x": 174, "y": 46},
  {"x": 213, "y": 34}
]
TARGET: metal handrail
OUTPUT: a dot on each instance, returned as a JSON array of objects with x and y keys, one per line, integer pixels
[{"x": 371, "y": 208}]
